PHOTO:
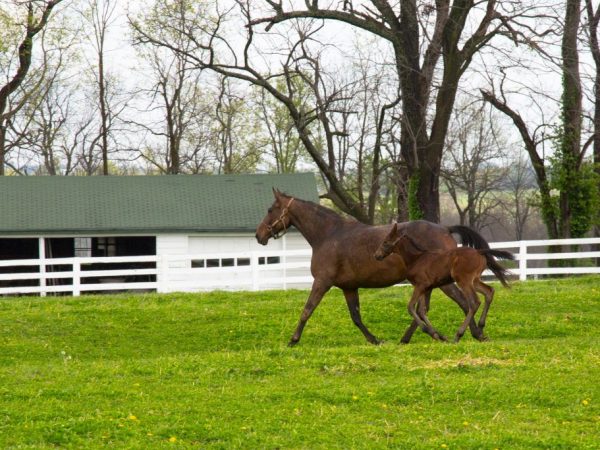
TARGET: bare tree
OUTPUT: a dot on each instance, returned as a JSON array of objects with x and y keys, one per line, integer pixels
[
  {"x": 471, "y": 169},
  {"x": 176, "y": 93},
  {"x": 569, "y": 213},
  {"x": 100, "y": 15},
  {"x": 49, "y": 132},
  {"x": 533, "y": 141},
  {"x": 316, "y": 100},
  {"x": 234, "y": 149},
  {"x": 36, "y": 18},
  {"x": 281, "y": 143},
  {"x": 519, "y": 194},
  {"x": 421, "y": 35}
]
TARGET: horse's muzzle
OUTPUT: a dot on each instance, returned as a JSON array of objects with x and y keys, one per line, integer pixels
[{"x": 261, "y": 241}]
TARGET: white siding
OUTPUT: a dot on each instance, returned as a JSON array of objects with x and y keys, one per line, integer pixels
[
  {"x": 295, "y": 241},
  {"x": 226, "y": 243},
  {"x": 171, "y": 244},
  {"x": 198, "y": 257}
]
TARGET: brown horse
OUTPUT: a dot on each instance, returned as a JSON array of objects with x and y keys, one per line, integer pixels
[
  {"x": 343, "y": 251},
  {"x": 427, "y": 270}
]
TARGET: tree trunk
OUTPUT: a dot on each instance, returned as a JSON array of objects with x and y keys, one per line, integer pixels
[
  {"x": 2, "y": 147},
  {"x": 571, "y": 111},
  {"x": 103, "y": 111}
]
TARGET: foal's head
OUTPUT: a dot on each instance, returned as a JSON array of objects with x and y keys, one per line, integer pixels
[
  {"x": 388, "y": 244},
  {"x": 393, "y": 241},
  {"x": 277, "y": 220}
]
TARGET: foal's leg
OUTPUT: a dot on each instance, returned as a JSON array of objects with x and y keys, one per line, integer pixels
[
  {"x": 452, "y": 291},
  {"x": 423, "y": 308},
  {"x": 354, "y": 308},
  {"x": 412, "y": 310},
  {"x": 414, "y": 325},
  {"x": 488, "y": 293},
  {"x": 316, "y": 294},
  {"x": 471, "y": 297}
]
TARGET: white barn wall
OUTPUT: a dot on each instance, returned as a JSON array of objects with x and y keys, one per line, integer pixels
[
  {"x": 201, "y": 247},
  {"x": 171, "y": 244}
]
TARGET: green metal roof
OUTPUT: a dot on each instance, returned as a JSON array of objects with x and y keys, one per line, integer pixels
[{"x": 32, "y": 205}]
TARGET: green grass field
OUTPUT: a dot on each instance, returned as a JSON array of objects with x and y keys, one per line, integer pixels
[{"x": 214, "y": 371}]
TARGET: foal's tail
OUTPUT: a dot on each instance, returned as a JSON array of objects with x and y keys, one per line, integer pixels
[
  {"x": 472, "y": 238},
  {"x": 500, "y": 272},
  {"x": 469, "y": 237}
]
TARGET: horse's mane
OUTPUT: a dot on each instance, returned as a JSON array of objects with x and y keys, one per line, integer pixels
[{"x": 322, "y": 211}]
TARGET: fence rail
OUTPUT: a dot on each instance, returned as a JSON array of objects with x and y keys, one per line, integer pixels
[
  {"x": 240, "y": 271},
  {"x": 585, "y": 259}
]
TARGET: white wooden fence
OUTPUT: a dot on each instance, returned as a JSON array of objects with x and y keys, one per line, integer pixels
[{"x": 259, "y": 271}]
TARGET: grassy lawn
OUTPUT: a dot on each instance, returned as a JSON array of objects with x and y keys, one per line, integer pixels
[{"x": 213, "y": 371}]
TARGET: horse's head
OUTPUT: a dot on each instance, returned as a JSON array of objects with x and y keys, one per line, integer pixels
[
  {"x": 277, "y": 220},
  {"x": 388, "y": 244}
]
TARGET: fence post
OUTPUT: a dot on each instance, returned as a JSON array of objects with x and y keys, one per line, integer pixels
[
  {"x": 162, "y": 273},
  {"x": 254, "y": 264},
  {"x": 284, "y": 262},
  {"x": 522, "y": 261},
  {"x": 42, "y": 258},
  {"x": 76, "y": 277}
]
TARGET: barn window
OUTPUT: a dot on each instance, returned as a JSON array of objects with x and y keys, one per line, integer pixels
[
  {"x": 83, "y": 247},
  {"x": 107, "y": 246},
  {"x": 232, "y": 262},
  {"x": 269, "y": 260}
]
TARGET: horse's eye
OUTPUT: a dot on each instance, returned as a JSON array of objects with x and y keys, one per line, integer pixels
[{"x": 270, "y": 210}]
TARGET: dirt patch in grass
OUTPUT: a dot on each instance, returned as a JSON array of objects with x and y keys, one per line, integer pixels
[{"x": 470, "y": 362}]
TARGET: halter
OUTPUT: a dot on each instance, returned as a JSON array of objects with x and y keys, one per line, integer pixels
[{"x": 281, "y": 218}]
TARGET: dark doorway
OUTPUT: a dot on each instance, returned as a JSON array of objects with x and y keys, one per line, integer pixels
[{"x": 19, "y": 248}]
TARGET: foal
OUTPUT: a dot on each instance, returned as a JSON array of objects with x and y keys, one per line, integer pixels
[{"x": 430, "y": 269}]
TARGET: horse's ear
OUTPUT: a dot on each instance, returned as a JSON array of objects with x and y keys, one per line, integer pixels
[
  {"x": 395, "y": 228},
  {"x": 275, "y": 192}
]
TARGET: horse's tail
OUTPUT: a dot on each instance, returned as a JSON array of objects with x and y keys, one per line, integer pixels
[
  {"x": 469, "y": 237},
  {"x": 500, "y": 272}
]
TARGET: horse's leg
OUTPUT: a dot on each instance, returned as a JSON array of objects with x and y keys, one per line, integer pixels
[
  {"x": 452, "y": 291},
  {"x": 354, "y": 308},
  {"x": 488, "y": 292},
  {"x": 472, "y": 300},
  {"x": 412, "y": 310},
  {"x": 316, "y": 294}
]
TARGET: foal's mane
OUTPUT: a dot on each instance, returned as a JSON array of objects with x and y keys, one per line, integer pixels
[{"x": 414, "y": 243}]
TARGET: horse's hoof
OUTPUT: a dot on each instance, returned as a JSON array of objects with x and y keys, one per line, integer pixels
[
  {"x": 375, "y": 341},
  {"x": 405, "y": 341},
  {"x": 292, "y": 343},
  {"x": 439, "y": 337},
  {"x": 480, "y": 337}
]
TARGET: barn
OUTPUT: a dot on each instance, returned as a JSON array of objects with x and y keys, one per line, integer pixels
[{"x": 185, "y": 232}]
